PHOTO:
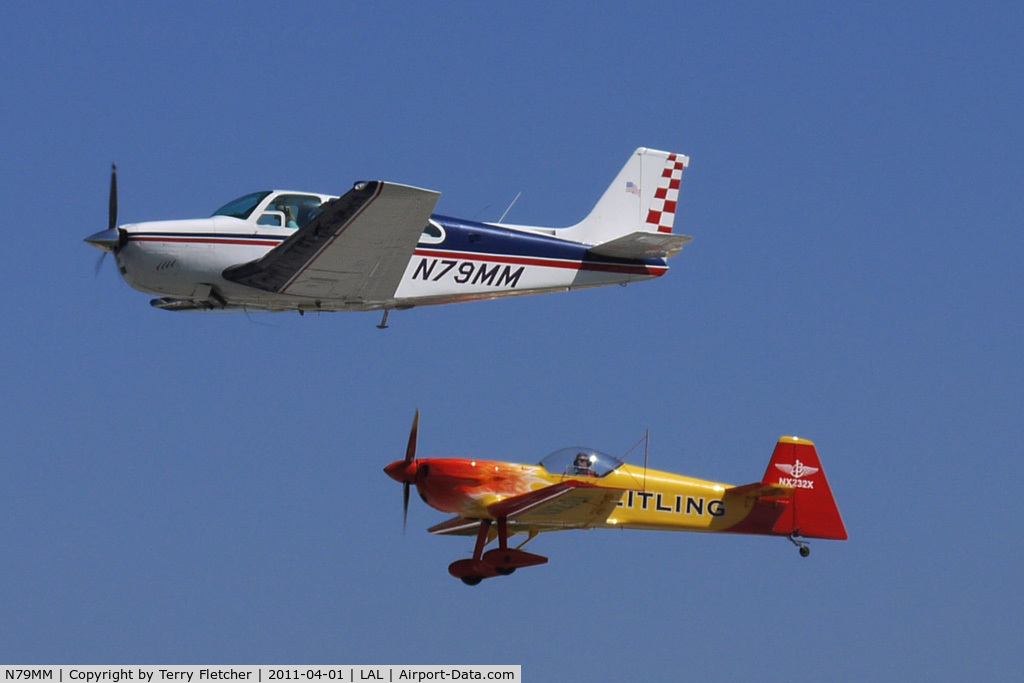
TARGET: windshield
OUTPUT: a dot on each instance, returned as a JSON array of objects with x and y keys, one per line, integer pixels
[
  {"x": 241, "y": 207},
  {"x": 580, "y": 462}
]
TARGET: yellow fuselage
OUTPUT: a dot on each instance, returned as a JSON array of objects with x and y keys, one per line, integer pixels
[{"x": 650, "y": 499}]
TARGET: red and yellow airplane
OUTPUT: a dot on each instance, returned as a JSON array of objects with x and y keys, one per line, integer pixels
[{"x": 580, "y": 488}]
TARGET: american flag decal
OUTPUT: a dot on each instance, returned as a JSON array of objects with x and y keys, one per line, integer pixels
[{"x": 663, "y": 209}]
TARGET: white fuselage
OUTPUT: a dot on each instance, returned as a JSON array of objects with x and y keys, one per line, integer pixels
[{"x": 454, "y": 261}]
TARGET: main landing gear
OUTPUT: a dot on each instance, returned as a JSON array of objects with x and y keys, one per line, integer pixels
[
  {"x": 500, "y": 561},
  {"x": 805, "y": 549}
]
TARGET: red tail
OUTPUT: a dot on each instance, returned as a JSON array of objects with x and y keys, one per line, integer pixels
[{"x": 812, "y": 510}]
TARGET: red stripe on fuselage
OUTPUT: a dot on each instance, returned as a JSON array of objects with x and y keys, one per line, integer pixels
[
  {"x": 206, "y": 240},
  {"x": 547, "y": 263}
]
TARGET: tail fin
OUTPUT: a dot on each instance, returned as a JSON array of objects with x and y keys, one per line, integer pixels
[
  {"x": 643, "y": 198},
  {"x": 811, "y": 510}
]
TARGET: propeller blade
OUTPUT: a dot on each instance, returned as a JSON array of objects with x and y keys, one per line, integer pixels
[
  {"x": 405, "y": 506},
  {"x": 410, "y": 450},
  {"x": 99, "y": 263},
  {"x": 112, "y": 213},
  {"x": 405, "y": 471},
  {"x": 113, "y": 238},
  {"x": 410, "y": 456}
]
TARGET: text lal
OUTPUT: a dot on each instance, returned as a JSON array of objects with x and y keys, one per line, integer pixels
[{"x": 413, "y": 675}]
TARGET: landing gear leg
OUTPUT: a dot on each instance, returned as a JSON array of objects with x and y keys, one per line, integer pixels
[
  {"x": 384, "y": 322},
  {"x": 503, "y": 532},
  {"x": 481, "y": 538},
  {"x": 805, "y": 549},
  {"x": 503, "y": 545}
]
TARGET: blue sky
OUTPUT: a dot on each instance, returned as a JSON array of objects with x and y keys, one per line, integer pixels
[{"x": 208, "y": 488}]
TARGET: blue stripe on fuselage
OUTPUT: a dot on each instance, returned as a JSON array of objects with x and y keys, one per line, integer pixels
[{"x": 470, "y": 236}]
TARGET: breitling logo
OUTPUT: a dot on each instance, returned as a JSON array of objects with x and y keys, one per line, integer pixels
[{"x": 798, "y": 470}]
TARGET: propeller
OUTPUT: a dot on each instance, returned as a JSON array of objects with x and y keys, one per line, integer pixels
[
  {"x": 404, "y": 471},
  {"x": 113, "y": 238},
  {"x": 112, "y": 207}
]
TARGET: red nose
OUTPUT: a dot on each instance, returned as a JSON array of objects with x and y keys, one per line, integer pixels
[{"x": 402, "y": 471}]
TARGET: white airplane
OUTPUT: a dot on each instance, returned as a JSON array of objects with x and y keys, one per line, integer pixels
[{"x": 380, "y": 247}]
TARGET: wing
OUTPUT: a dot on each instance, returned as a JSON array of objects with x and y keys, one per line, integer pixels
[
  {"x": 566, "y": 505},
  {"x": 642, "y": 245},
  {"x": 456, "y": 526},
  {"x": 356, "y": 250}
]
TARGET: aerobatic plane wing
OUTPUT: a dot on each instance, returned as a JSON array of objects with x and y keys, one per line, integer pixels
[
  {"x": 566, "y": 505},
  {"x": 357, "y": 250},
  {"x": 456, "y": 526}
]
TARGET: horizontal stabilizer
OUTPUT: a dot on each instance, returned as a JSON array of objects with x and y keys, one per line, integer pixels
[
  {"x": 642, "y": 245},
  {"x": 760, "y": 490}
]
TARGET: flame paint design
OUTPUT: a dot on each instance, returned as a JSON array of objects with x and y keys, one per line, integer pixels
[{"x": 467, "y": 487}]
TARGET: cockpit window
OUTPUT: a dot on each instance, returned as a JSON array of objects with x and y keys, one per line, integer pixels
[
  {"x": 291, "y": 210},
  {"x": 241, "y": 207},
  {"x": 433, "y": 233},
  {"x": 580, "y": 462}
]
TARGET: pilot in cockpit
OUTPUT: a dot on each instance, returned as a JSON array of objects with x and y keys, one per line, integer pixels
[
  {"x": 289, "y": 217},
  {"x": 581, "y": 466}
]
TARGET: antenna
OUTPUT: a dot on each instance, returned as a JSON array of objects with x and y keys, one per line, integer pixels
[
  {"x": 510, "y": 207},
  {"x": 647, "y": 442}
]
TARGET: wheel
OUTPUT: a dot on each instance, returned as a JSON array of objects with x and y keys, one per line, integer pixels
[
  {"x": 504, "y": 571},
  {"x": 804, "y": 551},
  {"x": 472, "y": 580}
]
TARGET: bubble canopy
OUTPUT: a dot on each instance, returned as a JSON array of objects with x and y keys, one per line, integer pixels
[{"x": 580, "y": 461}]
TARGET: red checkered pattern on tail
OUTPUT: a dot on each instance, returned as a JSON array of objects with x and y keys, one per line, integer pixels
[{"x": 663, "y": 209}]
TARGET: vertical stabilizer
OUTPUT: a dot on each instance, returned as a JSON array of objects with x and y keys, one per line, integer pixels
[
  {"x": 642, "y": 198},
  {"x": 812, "y": 510}
]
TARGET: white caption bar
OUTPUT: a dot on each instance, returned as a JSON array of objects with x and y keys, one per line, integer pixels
[{"x": 363, "y": 673}]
